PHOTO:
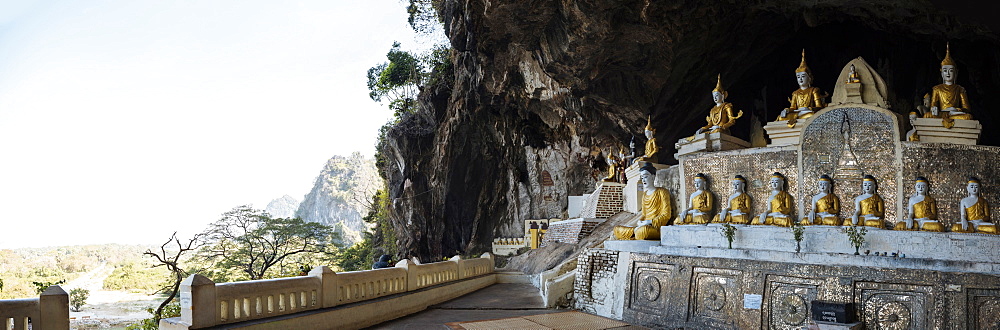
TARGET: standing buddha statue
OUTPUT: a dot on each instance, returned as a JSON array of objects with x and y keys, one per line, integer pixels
[
  {"x": 700, "y": 203},
  {"x": 738, "y": 211},
  {"x": 720, "y": 117},
  {"x": 869, "y": 208},
  {"x": 651, "y": 148},
  {"x": 825, "y": 205},
  {"x": 780, "y": 203},
  {"x": 921, "y": 210},
  {"x": 975, "y": 212},
  {"x": 949, "y": 100},
  {"x": 805, "y": 100}
]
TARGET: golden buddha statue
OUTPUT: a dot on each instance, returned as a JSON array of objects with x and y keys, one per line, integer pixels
[
  {"x": 651, "y": 148},
  {"x": 869, "y": 208},
  {"x": 852, "y": 78},
  {"x": 948, "y": 100},
  {"x": 720, "y": 117},
  {"x": 657, "y": 207},
  {"x": 975, "y": 212},
  {"x": 614, "y": 163},
  {"x": 921, "y": 210},
  {"x": 806, "y": 100},
  {"x": 738, "y": 211},
  {"x": 700, "y": 204},
  {"x": 825, "y": 205},
  {"x": 780, "y": 205}
]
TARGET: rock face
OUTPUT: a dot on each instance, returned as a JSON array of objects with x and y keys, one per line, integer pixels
[
  {"x": 542, "y": 87},
  {"x": 283, "y": 207},
  {"x": 339, "y": 196}
]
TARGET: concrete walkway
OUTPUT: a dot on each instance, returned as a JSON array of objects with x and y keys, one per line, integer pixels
[{"x": 497, "y": 301}]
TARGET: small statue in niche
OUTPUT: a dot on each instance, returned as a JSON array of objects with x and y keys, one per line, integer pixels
[
  {"x": 720, "y": 117},
  {"x": 700, "y": 203},
  {"x": 948, "y": 100},
  {"x": 869, "y": 208},
  {"x": 912, "y": 135},
  {"x": 780, "y": 203},
  {"x": 921, "y": 210},
  {"x": 825, "y": 205},
  {"x": 853, "y": 77},
  {"x": 651, "y": 148},
  {"x": 738, "y": 211},
  {"x": 657, "y": 207},
  {"x": 975, "y": 212},
  {"x": 806, "y": 100}
]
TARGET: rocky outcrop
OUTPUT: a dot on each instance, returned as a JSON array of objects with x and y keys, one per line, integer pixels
[
  {"x": 541, "y": 87},
  {"x": 283, "y": 207},
  {"x": 341, "y": 194}
]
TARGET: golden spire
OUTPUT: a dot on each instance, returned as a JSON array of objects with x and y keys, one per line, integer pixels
[
  {"x": 802, "y": 66},
  {"x": 718, "y": 85},
  {"x": 947, "y": 56},
  {"x": 649, "y": 123}
]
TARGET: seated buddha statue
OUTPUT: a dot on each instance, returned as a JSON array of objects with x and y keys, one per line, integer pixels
[
  {"x": 657, "y": 207},
  {"x": 651, "y": 148},
  {"x": 738, "y": 211},
  {"x": 948, "y": 100},
  {"x": 780, "y": 203},
  {"x": 869, "y": 208},
  {"x": 825, "y": 205},
  {"x": 720, "y": 117},
  {"x": 975, "y": 212},
  {"x": 921, "y": 210},
  {"x": 700, "y": 204},
  {"x": 614, "y": 163},
  {"x": 806, "y": 100}
]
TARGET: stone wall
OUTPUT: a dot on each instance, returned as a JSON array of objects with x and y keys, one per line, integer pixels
[
  {"x": 596, "y": 271},
  {"x": 606, "y": 201},
  {"x": 570, "y": 231}
]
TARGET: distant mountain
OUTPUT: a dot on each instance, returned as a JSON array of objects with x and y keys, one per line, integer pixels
[
  {"x": 283, "y": 207},
  {"x": 340, "y": 195}
]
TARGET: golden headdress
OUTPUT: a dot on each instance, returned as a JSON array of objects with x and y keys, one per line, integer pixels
[
  {"x": 718, "y": 85},
  {"x": 947, "y": 56},
  {"x": 802, "y": 66},
  {"x": 649, "y": 124}
]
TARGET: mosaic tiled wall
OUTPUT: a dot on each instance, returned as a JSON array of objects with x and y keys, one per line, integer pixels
[
  {"x": 756, "y": 165},
  {"x": 948, "y": 167}
]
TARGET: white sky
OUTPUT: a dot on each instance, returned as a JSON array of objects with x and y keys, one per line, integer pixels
[{"x": 125, "y": 120}]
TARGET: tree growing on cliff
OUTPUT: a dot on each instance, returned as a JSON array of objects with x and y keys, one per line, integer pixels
[
  {"x": 396, "y": 81},
  {"x": 251, "y": 242}
]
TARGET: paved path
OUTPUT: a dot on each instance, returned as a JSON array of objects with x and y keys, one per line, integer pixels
[{"x": 494, "y": 302}]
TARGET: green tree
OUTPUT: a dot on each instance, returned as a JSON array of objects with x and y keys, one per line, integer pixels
[
  {"x": 78, "y": 298},
  {"x": 396, "y": 81},
  {"x": 41, "y": 286},
  {"x": 252, "y": 242}
]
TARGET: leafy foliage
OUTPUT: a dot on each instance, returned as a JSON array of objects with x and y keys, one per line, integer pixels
[
  {"x": 133, "y": 276},
  {"x": 424, "y": 15},
  {"x": 41, "y": 286},
  {"x": 396, "y": 81},
  {"x": 153, "y": 323},
  {"x": 856, "y": 235},
  {"x": 78, "y": 298}
]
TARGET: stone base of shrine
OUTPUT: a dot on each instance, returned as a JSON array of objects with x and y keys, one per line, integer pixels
[{"x": 932, "y": 130}]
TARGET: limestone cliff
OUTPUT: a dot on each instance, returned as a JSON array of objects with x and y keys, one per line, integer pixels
[
  {"x": 339, "y": 197},
  {"x": 283, "y": 207},
  {"x": 540, "y": 87}
]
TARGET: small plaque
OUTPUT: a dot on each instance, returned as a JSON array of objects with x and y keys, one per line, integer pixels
[
  {"x": 752, "y": 301},
  {"x": 832, "y": 312}
]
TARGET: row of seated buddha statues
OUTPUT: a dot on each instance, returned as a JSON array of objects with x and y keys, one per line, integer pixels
[{"x": 869, "y": 207}]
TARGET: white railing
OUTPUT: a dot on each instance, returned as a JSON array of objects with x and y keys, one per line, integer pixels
[
  {"x": 205, "y": 303},
  {"x": 49, "y": 311}
]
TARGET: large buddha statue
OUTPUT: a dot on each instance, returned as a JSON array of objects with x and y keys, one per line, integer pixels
[
  {"x": 869, "y": 208},
  {"x": 806, "y": 100},
  {"x": 651, "y": 148},
  {"x": 975, "y": 212},
  {"x": 738, "y": 211},
  {"x": 921, "y": 210},
  {"x": 948, "y": 100},
  {"x": 699, "y": 210},
  {"x": 657, "y": 207},
  {"x": 780, "y": 203},
  {"x": 825, "y": 205},
  {"x": 720, "y": 117}
]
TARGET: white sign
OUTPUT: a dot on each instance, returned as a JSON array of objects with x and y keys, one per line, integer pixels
[{"x": 752, "y": 301}]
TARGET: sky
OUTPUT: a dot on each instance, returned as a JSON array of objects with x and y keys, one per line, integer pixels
[{"x": 122, "y": 121}]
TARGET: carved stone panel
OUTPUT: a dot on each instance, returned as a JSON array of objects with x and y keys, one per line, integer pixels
[
  {"x": 716, "y": 296},
  {"x": 788, "y": 300},
  {"x": 648, "y": 287},
  {"x": 894, "y": 306},
  {"x": 984, "y": 308}
]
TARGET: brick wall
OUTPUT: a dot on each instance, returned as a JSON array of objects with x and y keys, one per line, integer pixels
[
  {"x": 570, "y": 231},
  {"x": 607, "y": 200},
  {"x": 592, "y": 267}
]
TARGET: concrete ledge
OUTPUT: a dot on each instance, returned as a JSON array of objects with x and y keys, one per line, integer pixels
[
  {"x": 361, "y": 314},
  {"x": 630, "y": 246}
]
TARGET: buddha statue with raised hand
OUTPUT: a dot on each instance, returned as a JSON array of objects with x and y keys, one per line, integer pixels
[
  {"x": 780, "y": 203},
  {"x": 949, "y": 100},
  {"x": 825, "y": 205},
  {"x": 651, "y": 148},
  {"x": 720, "y": 117},
  {"x": 806, "y": 100},
  {"x": 975, "y": 212},
  {"x": 699, "y": 210},
  {"x": 869, "y": 208},
  {"x": 657, "y": 207},
  {"x": 738, "y": 211},
  {"x": 921, "y": 210}
]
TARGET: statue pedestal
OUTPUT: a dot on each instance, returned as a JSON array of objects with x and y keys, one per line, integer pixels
[
  {"x": 964, "y": 131},
  {"x": 633, "y": 186},
  {"x": 853, "y": 93},
  {"x": 710, "y": 142},
  {"x": 781, "y": 135}
]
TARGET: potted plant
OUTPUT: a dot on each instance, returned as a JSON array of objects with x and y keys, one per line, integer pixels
[
  {"x": 729, "y": 232},
  {"x": 798, "y": 231},
  {"x": 856, "y": 234}
]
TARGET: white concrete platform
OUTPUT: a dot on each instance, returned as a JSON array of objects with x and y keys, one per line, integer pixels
[
  {"x": 781, "y": 135},
  {"x": 717, "y": 141},
  {"x": 964, "y": 131},
  {"x": 630, "y": 246}
]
